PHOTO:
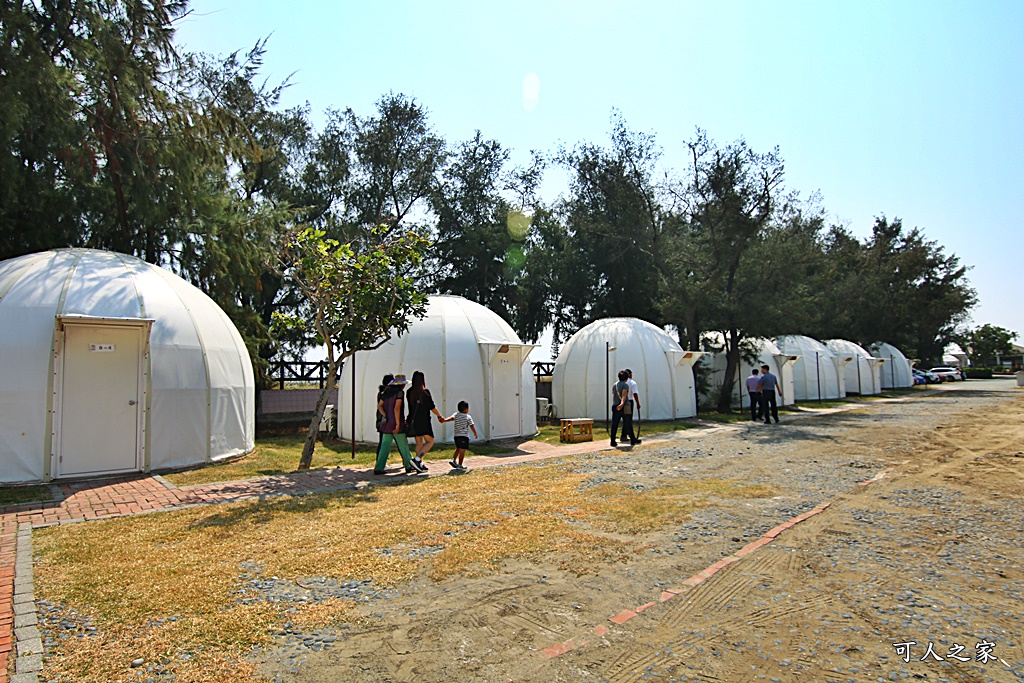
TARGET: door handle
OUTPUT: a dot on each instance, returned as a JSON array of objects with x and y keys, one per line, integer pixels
[{"x": 132, "y": 402}]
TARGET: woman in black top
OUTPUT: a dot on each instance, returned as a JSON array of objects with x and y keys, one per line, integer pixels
[{"x": 419, "y": 426}]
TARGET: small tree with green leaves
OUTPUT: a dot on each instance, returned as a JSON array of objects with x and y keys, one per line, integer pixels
[
  {"x": 356, "y": 295},
  {"x": 987, "y": 342}
]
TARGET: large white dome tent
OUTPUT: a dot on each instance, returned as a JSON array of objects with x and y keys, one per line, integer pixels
[
  {"x": 767, "y": 353},
  {"x": 818, "y": 374},
  {"x": 897, "y": 372},
  {"x": 467, "y": 353},
  {"x": 589, "y": 361},
  {"x": 109, "y": 364},
  {"x": 863, "y": 373},
  {"x": 953, "y": 354}
]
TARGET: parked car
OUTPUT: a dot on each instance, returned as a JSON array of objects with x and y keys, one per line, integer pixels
[
  {"x": 947, "y": 374},
  {"x": 926, "y": 376}
]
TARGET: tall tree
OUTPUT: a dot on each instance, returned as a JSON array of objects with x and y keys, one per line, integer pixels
[
  {"x": 899, "y": 287},
  {"x": 484, "y": 234},
  {"x": 359, "y": 293},
  {"x": 612, "y": 222},
  {"x": 479, "y": 238},
  {"x": 771, "y": 291},
  {"x": 986, "y": 343},
  {"x": 393, "y": 161},
  {"x": 43, "y": 163},
  {"x": 730, "y": 196}
]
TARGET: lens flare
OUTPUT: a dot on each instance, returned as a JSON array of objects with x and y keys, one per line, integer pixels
[
  {"x": 518, "y": 225},
  {"x": 531, "y": 91},
  {"x": 515, "y": 259}
]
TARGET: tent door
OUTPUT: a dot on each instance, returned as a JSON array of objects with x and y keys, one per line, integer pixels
[
  {"x": 99, "y": 415},
  {"x": 506, "y": 404}
]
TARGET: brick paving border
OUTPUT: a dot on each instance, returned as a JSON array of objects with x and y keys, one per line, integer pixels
[{"x": 82, "y": 501}]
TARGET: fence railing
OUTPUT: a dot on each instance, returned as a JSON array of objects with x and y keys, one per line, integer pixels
[
  {"x": 304, "y": 372},
  {"x": 298, "y": 372},
  {"x": 542, "y": 369}
]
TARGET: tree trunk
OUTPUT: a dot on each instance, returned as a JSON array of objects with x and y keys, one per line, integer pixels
[
  {"x": 732, "y": 364},
  {"x": 318, "y": 413}
]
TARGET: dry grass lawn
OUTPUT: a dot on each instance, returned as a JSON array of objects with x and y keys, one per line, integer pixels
[
  {"x": 280, "y": 455},
  {"x": 127, "y": 573}
]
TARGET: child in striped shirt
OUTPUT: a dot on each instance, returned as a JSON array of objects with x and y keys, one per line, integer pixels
[{"x": 463, "y": 423}]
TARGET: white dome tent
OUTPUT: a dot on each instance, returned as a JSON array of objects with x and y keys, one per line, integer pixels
[
  {"x": 466, "y": 353},
  {"x": 109, "y": 364},
  {"x": 954, "y": 354},
  {"x": 818, "y": 374},
  {"x": 584, "y": 371},
  {"x": 897, "y": 373},
  {"x": 780, "y": 364},
  {"x": 863, "y": 373}
]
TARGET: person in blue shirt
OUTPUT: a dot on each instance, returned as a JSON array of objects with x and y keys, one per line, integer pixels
[{"x": 768, "y": 385}]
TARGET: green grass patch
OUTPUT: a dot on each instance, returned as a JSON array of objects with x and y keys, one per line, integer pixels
[
  {"x": 280, "y": 455},
  {"x": 549, "y": 433},
  {"x": 725, "y": 418},
  {"x": 15, "y": 495}
]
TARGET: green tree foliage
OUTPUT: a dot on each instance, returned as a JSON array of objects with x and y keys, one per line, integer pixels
[
  {"x": 42, "y": 159},
  {"x": 895, "y": 286},
  {"x": 484, "y": 234},
  {"x": 358, "y": 294},
  {"x": 729, "y": 198},
  {"x": 986, "y": 343},
  {"x": 608, "y": 228},
  {"x": 479, "y": 238},
  {"x": 252, "y": 194},
  {"x": 111, "y": 139},
  {"x": 393, "y": 160}
]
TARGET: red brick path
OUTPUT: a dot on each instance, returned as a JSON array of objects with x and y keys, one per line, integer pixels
[{"x": 8, "y": 549}]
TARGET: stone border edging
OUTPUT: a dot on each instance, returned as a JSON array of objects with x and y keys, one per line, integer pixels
[{"x": 26, "y": 620}]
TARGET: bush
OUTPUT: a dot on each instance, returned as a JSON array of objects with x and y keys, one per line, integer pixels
[{"x": 979, "y": 373}]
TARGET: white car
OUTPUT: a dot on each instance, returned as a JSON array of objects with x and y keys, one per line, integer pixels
[{"x": 947, "y": 374}]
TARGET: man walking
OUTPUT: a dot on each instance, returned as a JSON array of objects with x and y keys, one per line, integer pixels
[
  {"x": 620, "y": 400},
  {"x": 754, "y": 392},
  {"x": 769, "y": 383},
  {"x": 634, "y": 395}
]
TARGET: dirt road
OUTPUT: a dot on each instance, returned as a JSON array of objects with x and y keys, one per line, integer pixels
[{"x": 928, "y": 553}]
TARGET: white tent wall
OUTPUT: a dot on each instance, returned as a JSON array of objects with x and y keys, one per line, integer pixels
[
  {"x": 466, "y": 353},
  {"x": 30, "y": 289},
  {"x": 896, "y": 373},
  {"x": 780, "y": 364},
  {"x": 863, "y": 373},
  {"x": 817, "y": 372},
  {"x": 229, "y": 376},
  {"x": 584, "y": 373},
  {"x": 199, "y": 389}
]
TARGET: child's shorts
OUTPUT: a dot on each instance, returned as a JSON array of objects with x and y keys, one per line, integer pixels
[{"x": 462, "y": 442}]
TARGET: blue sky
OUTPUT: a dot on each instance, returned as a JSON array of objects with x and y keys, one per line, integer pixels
[{"x": 908, "y": 109}]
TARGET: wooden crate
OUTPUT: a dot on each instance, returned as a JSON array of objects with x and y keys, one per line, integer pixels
[{"x": 576, "y": 429}]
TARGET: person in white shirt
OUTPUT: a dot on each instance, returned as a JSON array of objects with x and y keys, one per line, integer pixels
[
  {"x": 754, "y": 391},
  {"x": 463, "y": 423}
]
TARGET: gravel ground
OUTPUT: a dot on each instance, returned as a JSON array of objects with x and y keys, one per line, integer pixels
[{"x": 930, "y": 553}]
